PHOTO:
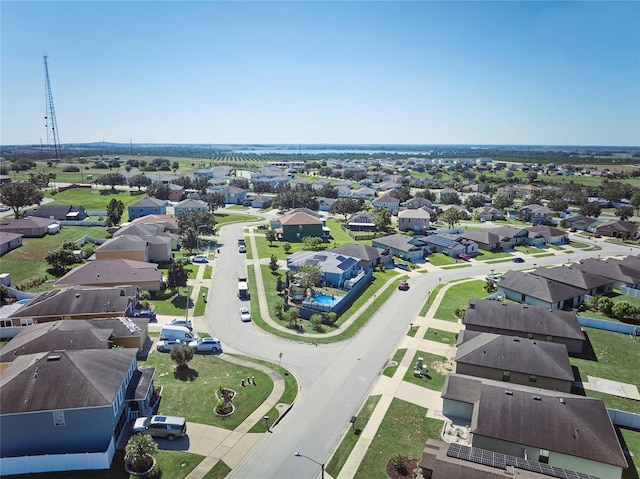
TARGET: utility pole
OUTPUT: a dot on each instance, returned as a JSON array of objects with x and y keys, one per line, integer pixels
[{"x": 50, "y": 114}]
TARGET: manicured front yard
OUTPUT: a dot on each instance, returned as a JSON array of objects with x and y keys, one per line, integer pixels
[
  {"x": 404, "y": 430},
  {"x": 394, "y": 363},
  {"x": 445, "y": 337},
  {"x": 458, "y": 296},
  {"x": 433, "y": 379}
]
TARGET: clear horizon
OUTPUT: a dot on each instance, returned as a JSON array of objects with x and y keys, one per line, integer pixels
[{"x": 323, "y": 73}]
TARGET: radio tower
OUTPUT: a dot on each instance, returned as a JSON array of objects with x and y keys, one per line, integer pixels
[{"x": 50, "y": 115}]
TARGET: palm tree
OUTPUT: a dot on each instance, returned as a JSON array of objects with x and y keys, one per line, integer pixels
[{"x": 138, "y": 454}]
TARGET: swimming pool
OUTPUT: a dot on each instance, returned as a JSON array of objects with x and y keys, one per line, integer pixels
[
  {"x": 23, "y": 301},
  {"x": 323, "y": 299}
]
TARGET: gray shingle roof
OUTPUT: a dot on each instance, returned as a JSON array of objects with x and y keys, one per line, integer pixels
[
  {"x": 538, "y": 287},
  {"x": 610, "y": 268},
  {"x": 359, "y": 251},
  {"x": 572, "y": 276},
  {"x": 113, "y": 271},
  {"x": 123, "y": 243}
]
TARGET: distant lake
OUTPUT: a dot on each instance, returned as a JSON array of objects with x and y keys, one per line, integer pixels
[{"x": 328, "y": 151}]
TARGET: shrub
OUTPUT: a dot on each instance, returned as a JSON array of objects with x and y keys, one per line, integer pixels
[
  {"x": 71, "y": 169},
  {"x": 181, "y": 354},
  {"x": 139, "y": 451}
]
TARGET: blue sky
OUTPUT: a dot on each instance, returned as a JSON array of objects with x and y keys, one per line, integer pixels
[{"x": 549, "y": 73}]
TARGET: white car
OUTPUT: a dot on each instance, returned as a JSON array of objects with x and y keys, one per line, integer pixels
[
  {"x": 245, "y": 315},
  {"x": 198, "y": 258},
  {"x": 166, "y": 345},
  {"x": 4, "y": 208},
  {"x": 206, "y": 345},
  {"x": 242, "y": 249},
  {"x": 181, "y": 322}
]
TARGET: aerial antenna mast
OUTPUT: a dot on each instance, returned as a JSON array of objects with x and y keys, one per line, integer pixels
[{"x": 50, "y": 115}]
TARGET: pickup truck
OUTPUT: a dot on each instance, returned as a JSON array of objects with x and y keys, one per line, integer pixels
[{"x": 243, "y": 288}]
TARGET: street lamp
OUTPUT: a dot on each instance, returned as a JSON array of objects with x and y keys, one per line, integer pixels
[
  {"x": 321, "y": 464},
  {"x": 266, "y": 420}
]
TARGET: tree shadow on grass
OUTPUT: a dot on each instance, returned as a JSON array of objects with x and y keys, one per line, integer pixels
[{"x": 185, "y": 373}]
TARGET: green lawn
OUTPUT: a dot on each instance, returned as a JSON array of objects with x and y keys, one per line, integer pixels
[
  {"x": 226, "y": 218},
  {"x": 27, "y": 262},
  {"x": 191, "y": 394},
  {"x": 351, "y": 437},
  {"x": 94, "y": 199},
  {"x": 433, "y": 379},
  {"x": 172, "y": 303},
  {"x": 169, "y": 463},
  {"x": 404, "y": 430},
  {"x": 484, "y": 255},
  {"x": 430, "y": 298},
  {"x": 617, "y": 356},
  {"x": 200, "y": 304},
  {"x": 441, "y": 259},
  {"x": 458, "y": 296},
  {"x": 397, "y": 357},
  {"x": 219, "y": 471},
  {"x": 630, "y": 440},
  {"x": 440, "y": 336}
]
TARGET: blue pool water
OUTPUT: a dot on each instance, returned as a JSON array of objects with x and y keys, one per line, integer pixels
[
  {"x": 323, "y": 299},
  {"x": 23, "y": 301}
]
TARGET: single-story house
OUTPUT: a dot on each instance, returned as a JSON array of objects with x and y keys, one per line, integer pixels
[
  {"x": 416, "y": 220},
  {"x": 114, "y": 272},
  {"x": 550, "y": 427},
  {"x": 515, "y": 360},
  {"x": 488, "y": 213},
  {"x": 623, "y": 272},
  {"x": 151, "y": 231},
  {"x": 523, "y": 320},
  {"x": 404, "y": 247},
  {"x": 76, "y": 302},
  {"x": 580, "y": 222},
  {"x": 367, "y": 256},
  {"x": 9, "y": 242},
  {"x": 190, "y": 205},
  {"x": 510, "y": 236},
  {"x": 336, "y": 268},
  {"x": 147, "y": 206},
  {"x": 592, "y": 284},
  {"x": 325, "y": 204},
  {"x": 29, "y": 227},
  {"x": 618, "y": 229},
  {"x": 365, "y": 193},
  {"x": 485, "y": 239},
  {"x": 362, "y": 221},
  {"x": 538, "y": 291},
  {"x": 59, "y": 212},
  {"x": 59, "y": 394},
  {"x": 295, "y": 226},
  {"x": 542, "y": 234},
  {"x": 258, "y": 201},
  {"x": 417, "y": 202},
  {"x": 466, "y": 215}
]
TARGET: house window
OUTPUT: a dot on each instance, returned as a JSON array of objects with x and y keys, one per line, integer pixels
[
  {"x": 506, "y": 376},
  {"x": 300, "y": 227},
  {"x": 544, "y": 456},
  {"x": 533, "y": 379},
  {"x": 5, "y": 323},
  {"x": 26, "y": 322},
  {"x": 530, "y": 335},
  {"x": 523, "y": 297},
  {"x": 58, "y": 418}
]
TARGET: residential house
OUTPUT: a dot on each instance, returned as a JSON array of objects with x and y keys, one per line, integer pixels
[
  {"x": 538, "y": 291},
  {"x": 523, "y": 320},
  {"x": 581, "y": 223},
  {"x": 536, "y": 214},
  {"x": 448, "y": 191},
  {"x": 234, "y": 195},
  {"x": 485, "y": 239},
  {"x": 161, "y": 241},
  {"x": 365, "y": 193},
  {"x": 76, "y": 302},
  {"x": 258, "y": 201},
  {"x": 510, "y": 236},
  {"x": 124, "y": 247},
  {"x": 344, "y": 191},
  {"x": 410, "y": 248},
  {"x": 336, "y": 269},
  {"x": 525, "y": 191},
  {"x": 509, "y": 191},
  {"x": 295, "y": 226},
  {"x": 466, "y": 215},
  {"x": 176, "y": 192},
  {"x": 115, "y": 272},
  {"x": 592, "y": 284},
  {"x": 515, "y": 360},
  {"x": 388, "y": 202},
  {"x": 622, "y": 272},
  {"x": 9, "y": 242},
  {"x": 147, "y": 206},
  {"x": 618, "y": 229},
  {"x": 78, "y": 402},
  {"x": 540, "y": 235},
  {"x": 550, "y": 427},
  {"x": 367, "y": 256},
  {"x": 416, "y": 220},
  {"x": 29, "y": 227},
  {"x": 488, "y": 213},
  {"x": 190, "y": 205},
  {"x": 451, "y": 245},
  {"x": 169, "y": 223},
  {"x": 362, "y": 221},
  {"x": 417, "y": 202},
  {"x": 59, "y": 212},
  {"x": 325, "y": 204}
]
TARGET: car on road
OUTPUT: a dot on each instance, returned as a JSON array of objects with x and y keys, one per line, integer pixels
[
  {"x": 166, "y": 345},
  {"x": 245, "y": 315},
  {"x": 517, "y": 259},
  {"x": 403, "y": 286},
  {"x": 572, "y": 230},
  {"x": 198, "y": 258},
  {"x": 242, "y": 249},
  {"x": 263, "y": 227},
  {"x": 4, "y": 208},
  {"x": 597, "y": 235},
  {"x": 168, "y": 427},
  {"x": 206, "y": 345}
]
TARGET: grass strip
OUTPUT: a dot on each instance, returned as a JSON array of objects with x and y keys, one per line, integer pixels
[{"x": 394, "y": 363}]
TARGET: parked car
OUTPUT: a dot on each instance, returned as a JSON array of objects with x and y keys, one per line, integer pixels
[
  {"x": 403, "y": 286},
  {"x": 168, "y": 427},
  {"x": 517, "y": 259},
  {"x": 597, "y": 235},
  {"x": 404, "y": 266},
  {"x": 198, "y": 258},
  {"x": 143, "y": 313},
  {"x": 5, "y": 208},
  {"x": 206, "y": 345},
  {"x": 263, "y": 227},
  {"x": 464, "y": 257},
  {"x": 181, "y": 322},
  {"x": 572, "y": 230},
  {"x": 245, "y": 315},
  {"x": 166, "y": 345},
  {"x": 242, "y": 249}
]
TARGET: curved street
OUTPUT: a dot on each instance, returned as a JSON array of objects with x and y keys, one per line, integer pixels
[{"x": 335, "y": 379}]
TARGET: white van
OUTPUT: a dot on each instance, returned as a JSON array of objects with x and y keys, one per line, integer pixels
[{"x": 177, "y": 332}]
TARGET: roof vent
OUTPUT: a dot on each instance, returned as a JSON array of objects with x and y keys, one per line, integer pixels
[
  {"x": 77, "y": 295},
  {"x": 503, "y": 304},
  {"x": 53, "y": 357},
  {"x": 517, "y": 340},
  {"x": 537, "y": 398},
  {"x": 524, "y": 306},
  {"x": 509, "y": 392},
  {"x": 562, "y": 401}
]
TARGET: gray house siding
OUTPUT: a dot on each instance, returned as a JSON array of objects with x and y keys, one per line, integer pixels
[{"x": 514, "y": 377}]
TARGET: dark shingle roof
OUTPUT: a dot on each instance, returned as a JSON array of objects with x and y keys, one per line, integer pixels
[
  {"x": 523, "y": 318},
  {"x": 509, "y": 353},
  {"x": 64, "y": 380},
  {"x": 610, "y": 268},
  {"x": 356, "y": 250},
  {"x": 112, "y": 271},
  {"x": 538, "y": 287},
  {"x": 572, "y": 276}
]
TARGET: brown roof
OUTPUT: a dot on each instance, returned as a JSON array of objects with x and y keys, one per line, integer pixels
[
  {"x": 299, "y": 219},
  {"x": 112, "y": 271}
]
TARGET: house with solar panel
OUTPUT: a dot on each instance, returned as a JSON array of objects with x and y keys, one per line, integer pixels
[
  {"x": 451, "y": 245},
  {"x": 336, "y": 268},
  {"x": 533, "y": 429}
]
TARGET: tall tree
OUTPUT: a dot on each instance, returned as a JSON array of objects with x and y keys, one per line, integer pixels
[
  {"x": 201, "y": 221},
  {"x": 451, "y": 217},
  {"x": 159, "y": 191},
  {"x": 309, "y": 275},
  {"x": 624, "y": 213},
  {"x": 115, "y": 208},
  {"x": 502, "y": 201},
  {"x": 189, "y": 239},
  {"x": 635, "y": 202},
  {"x": 270, "y": 236},
  {"x": 347, "y": 206},
  {"x": 590, "y": 209},
  {"x": 112, "y": 179},
  {"x": 450, "y": 198},
  {"x": 474, "y": 201},
  {"x": 557, "y": 205},
  {"x": 177, "y": 276},
  {"x": 214, "y": 199},
  {"x": 381, "y": 218},
  {"x": 20, "y": 195},
  {"x": 140, "y": 181}
]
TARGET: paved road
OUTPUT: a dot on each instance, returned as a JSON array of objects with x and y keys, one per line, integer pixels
[{"x": 335, "y": 379}]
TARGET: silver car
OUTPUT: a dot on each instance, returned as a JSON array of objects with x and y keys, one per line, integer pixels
[
  {"x": 206, "y": 345},
  {"x": 168, "y": 427},
  {"x": 245, "y": 315},
  {"x": 166, "y": 345}
]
